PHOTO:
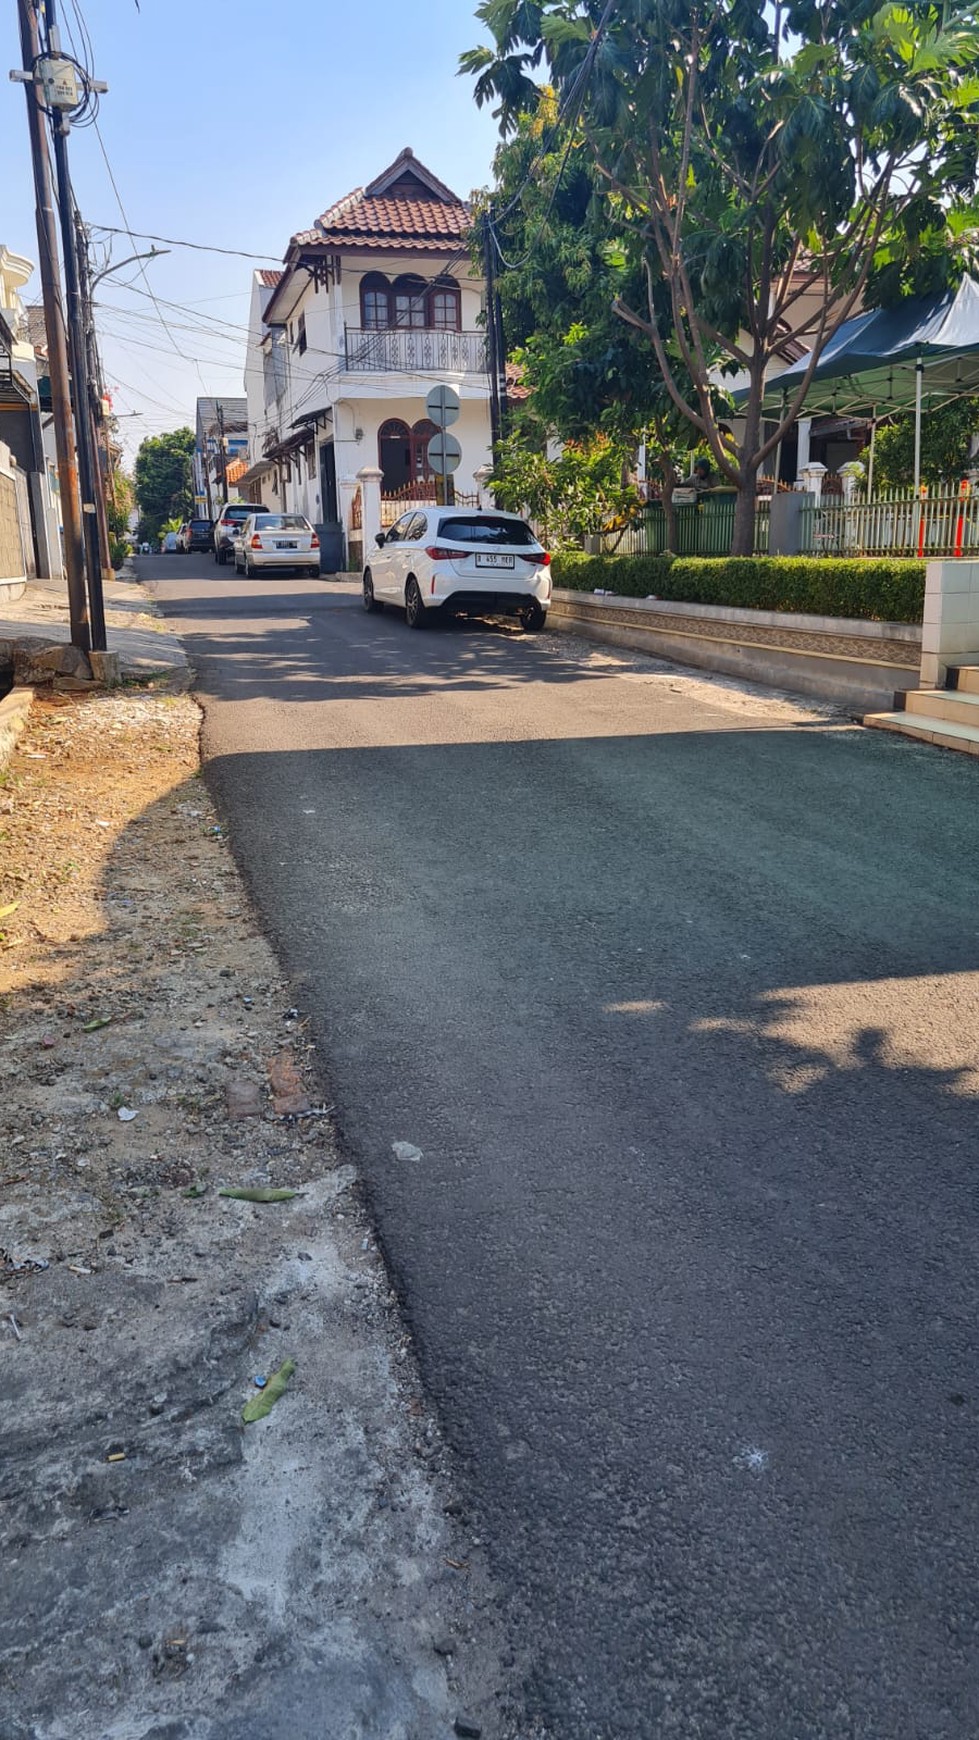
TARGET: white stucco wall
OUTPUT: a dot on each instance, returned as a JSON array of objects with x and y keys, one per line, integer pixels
[{"x": 317, "y": 379}]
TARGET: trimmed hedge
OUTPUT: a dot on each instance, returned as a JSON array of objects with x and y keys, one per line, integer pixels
[{"x": 867, "y": 588}]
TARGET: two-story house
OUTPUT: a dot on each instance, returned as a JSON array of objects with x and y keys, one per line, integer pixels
[{"x": 375, "y": 305}]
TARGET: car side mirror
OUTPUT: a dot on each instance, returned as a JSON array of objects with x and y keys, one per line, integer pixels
[{"x": 379, "y": 539}]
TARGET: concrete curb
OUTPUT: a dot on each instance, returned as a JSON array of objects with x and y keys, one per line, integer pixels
[
  {"x": 14, "y": 713},
  {"x": 855, "y": 665}
]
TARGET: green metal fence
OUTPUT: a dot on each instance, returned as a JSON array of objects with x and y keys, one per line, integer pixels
[{"x": 703, "y": 528}]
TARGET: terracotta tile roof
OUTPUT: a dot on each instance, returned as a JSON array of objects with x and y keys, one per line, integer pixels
[
  {"x": 393, "y": 223},
  {"x": 516, "y": 391},
  {"x": 36, "y": 330},
  {"x": 268, "y": 279},
  {"x": 406, "y": 208}
]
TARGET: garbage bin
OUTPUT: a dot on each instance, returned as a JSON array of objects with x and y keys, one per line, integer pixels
[{"x": 332, "y": 554}]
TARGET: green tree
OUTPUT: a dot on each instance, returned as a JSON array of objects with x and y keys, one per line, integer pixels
[
  {"x": 946, "y": 439},
  {"x": 119, "y": 499},
  {"x": 566, "y": 257},
  {"x": 162, "y": 478},
  {"x": 761, "y": 155},
  {"x": 586, "y": 488}
]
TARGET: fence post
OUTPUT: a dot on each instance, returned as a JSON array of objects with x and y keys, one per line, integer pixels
[
  {"x": 370, "y": 478},
  {"x": 950, "y": 628}
]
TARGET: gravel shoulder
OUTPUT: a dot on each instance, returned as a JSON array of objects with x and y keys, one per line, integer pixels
[{"x": 168, "y": 1570}]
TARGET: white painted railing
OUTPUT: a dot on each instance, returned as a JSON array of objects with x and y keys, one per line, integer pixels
[{"x": 893, "y": 524}]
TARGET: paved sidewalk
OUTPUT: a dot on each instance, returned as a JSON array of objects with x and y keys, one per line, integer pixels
[{"x": 134, "y": 628}]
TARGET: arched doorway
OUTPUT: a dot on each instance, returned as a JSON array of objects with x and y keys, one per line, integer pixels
[
  {"x": 421, "y": 435},
  {"x": 394, "y": 455}
]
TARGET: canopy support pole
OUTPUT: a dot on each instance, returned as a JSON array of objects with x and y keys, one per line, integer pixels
[
  {"x": 919, "y": 370},
  {"x": 778, "y": 451},
  {"x": 870, "y": 462}
]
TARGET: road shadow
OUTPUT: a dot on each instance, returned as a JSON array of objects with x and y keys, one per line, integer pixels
[{"x": 320, "y": 643}]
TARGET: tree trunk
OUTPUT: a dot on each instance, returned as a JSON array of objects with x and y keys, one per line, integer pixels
[{"x": 743, "y": 541}]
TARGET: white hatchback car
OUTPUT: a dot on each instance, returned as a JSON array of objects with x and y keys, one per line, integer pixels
[
  {"x": 276, "y": 541},
  {"x": 460, "y": 560}
]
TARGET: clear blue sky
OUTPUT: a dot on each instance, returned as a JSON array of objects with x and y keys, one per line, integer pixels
[{"x": 236, "y": 125}]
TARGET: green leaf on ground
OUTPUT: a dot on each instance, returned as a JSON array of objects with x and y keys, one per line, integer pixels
[
  {"x": 262, "y": 1404},
  {"x": 261, "y": 1195},
  {"x": 100, "y": 1021}
]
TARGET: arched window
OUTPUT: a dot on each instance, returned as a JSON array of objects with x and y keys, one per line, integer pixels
[
  {"x": 445, "y": 306},
  {"x": 409, "y": 301},
  {"x": 375, "y": 302},
  {"x": 421, "y": 435}
]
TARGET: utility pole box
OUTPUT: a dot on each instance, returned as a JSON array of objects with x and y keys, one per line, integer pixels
[{"x": 59, "y": 81}]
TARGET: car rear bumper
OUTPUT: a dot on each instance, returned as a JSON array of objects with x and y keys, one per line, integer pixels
[
  {"x": 488, "y": 603},
  {"x": 283, "y": 559}
]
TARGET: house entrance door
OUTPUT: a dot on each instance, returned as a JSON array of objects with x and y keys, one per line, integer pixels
[{"x": 394, "y": 455}]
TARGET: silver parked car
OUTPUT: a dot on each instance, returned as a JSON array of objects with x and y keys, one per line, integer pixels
[{"x": 276, "y": 542}]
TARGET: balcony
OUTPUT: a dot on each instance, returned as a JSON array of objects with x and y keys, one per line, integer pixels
[{"x": 415, "y": 350}]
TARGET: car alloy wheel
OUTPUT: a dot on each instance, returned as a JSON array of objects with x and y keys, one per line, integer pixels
[
  {"x": 370, "y": 602},
  {"x": 533, "y": 618},
  {"x": 414, "y": 608}
]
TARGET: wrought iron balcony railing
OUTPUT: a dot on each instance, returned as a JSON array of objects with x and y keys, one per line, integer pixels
[{"x": 415, "y": 350}]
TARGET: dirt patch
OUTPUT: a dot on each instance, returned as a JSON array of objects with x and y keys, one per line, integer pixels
[{"x": 168, "y": 1569}]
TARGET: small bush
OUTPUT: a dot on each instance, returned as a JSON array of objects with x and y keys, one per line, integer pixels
[{"x": 870, "y": 589}]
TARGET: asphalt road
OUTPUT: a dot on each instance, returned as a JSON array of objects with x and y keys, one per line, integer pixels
[{"x": 677, "y": 994}]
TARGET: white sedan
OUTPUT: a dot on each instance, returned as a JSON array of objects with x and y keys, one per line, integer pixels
[
  {"x": 460, "y": 560},
  {"x": 276, "y": 541}
]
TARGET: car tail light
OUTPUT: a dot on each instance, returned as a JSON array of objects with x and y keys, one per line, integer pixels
[
  {"x": 541, "y": 557},
  {"x": 437, "y": 553},
  {"x": 226, "y": 524},
  {"x": 314, "y": 542},
  {"x": 256, "y": 542}
]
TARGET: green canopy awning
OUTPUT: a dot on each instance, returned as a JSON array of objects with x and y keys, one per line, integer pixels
[{"x": 870, "y": 364}]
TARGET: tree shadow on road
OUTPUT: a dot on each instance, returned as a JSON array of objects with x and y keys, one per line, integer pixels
[{"x": 296, "y": 651}]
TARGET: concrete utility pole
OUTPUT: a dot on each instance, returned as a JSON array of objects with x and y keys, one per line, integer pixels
[
  {"x": 492, "y": 330},
  {"x": 87, "y": 468},
  {"x": 96, "y": 406},
  {"x": 71, "y": 519},
  {"x": 222, "y": 454}
]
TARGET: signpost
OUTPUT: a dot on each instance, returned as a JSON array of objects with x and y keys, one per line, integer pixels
[{"x": 444, "y": 452}]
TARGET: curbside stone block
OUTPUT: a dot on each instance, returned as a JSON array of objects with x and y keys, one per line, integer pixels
[
  {"x": 14, "y": 712},
  {"x": 35, "y": 665}
]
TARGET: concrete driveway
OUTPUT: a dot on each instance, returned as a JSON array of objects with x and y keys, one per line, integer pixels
[{"x": 672, "y": 992}]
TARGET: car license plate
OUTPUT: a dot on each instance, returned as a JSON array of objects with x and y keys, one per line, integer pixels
[
  {"x": 281, "y": 544},
  {"x": 494, "y": 561}
]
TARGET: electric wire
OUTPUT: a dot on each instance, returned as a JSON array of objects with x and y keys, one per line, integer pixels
[
  {"x": 132, "y": 238},
  {"x": 199, "y": 247}
]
